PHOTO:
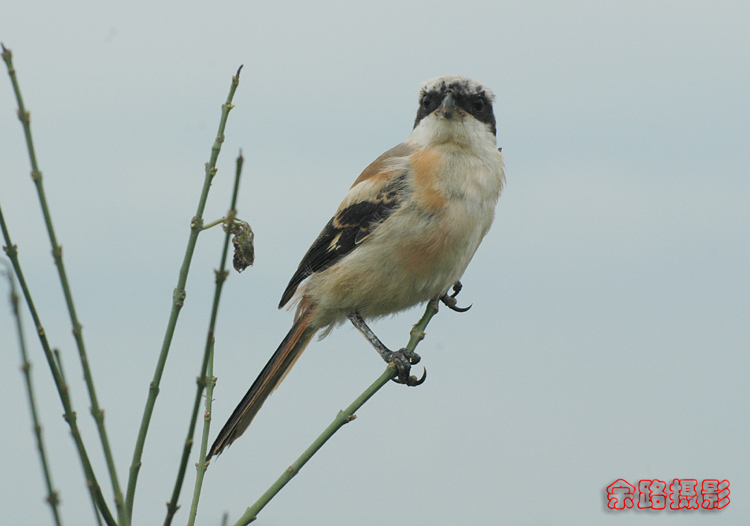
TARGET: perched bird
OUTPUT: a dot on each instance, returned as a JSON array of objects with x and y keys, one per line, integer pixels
[{"x": 403, "y": 235}]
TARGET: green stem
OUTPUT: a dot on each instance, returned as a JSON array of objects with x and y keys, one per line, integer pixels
[
  {"x": 343, "y": 417},
  {"x": 205, "y": 376},
  {"x": 178, "y": 299},
  {"x": 201, "y": 466},
  {"x": 36, "y": 175},
  {"x": 62, "y": 387},
  {"x": 52, "y": 498},
  {"x": 212, "y": 224},
  {"x": 58, "y": 361}
]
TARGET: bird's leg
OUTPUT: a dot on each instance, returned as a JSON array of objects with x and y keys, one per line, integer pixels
[
  {"x": 403, "y": 359},
  {"x": 450, "y": 301}
]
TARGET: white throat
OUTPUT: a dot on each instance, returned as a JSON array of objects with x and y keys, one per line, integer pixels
[{"x": 462, "y": 130}]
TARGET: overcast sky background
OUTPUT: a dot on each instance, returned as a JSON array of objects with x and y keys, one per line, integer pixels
[{"x": 610, "y": 328}]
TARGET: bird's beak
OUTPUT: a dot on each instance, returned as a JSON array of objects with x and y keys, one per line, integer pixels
[{"x": 448, "y": 107}]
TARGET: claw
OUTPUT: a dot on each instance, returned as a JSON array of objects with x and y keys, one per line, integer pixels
[
  {"x": 413, "y": 382},
  {"x": 403, "y": 360},
  {"x": 450, "y": 301}
]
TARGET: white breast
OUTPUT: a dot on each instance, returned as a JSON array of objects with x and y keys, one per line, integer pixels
[{"x": 420, "y": 251}]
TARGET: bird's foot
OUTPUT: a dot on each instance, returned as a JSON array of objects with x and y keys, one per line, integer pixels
[
  {"x": 403, "y": 360},
  {"x": 451, "y": 302}
]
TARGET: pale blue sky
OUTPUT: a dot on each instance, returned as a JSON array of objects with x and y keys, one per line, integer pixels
[{"x": 609, "y": 334}]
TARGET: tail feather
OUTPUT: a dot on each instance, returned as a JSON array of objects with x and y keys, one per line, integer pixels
[{"x": 269, "y": 378}]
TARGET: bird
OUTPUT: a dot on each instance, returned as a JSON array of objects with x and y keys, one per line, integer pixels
[{"x": 403, "y": 235}]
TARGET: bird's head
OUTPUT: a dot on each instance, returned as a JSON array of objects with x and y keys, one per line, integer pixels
[{"x": 454, "y": 109}]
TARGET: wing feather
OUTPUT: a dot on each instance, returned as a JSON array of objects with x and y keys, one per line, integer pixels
[{"x": 346, "y": 230}]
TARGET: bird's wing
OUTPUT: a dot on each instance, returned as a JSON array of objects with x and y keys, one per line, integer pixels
[{"x": 375, "y": 195}]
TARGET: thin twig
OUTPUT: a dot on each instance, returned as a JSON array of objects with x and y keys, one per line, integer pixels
[
  {"x": 178, "y": 298},
  {"x": 205, "y": 376},
  {"x": 343, "y": 417},
  {"x": 201, "y": 465},
  {"x": 52, "y": 496},
  {"x": 222, "y": 221},
  {"x": 58, "y": 361},
  {"x": 36, "y": 175},
  {"x": 62, "y": 387}
]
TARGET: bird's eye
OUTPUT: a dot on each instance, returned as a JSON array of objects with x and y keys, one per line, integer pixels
[
  {"x": 478, "y": 105},
  {"x": 426, "y": 102}
]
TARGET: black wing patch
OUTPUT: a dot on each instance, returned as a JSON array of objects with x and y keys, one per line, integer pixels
[{"x": 344, "y": 232}]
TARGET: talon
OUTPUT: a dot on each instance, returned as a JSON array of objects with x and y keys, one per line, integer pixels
[
  {"x": 413, "y": 382},
  {"x": 451, "y": 303},
  {"x": 403, "y": 360}
]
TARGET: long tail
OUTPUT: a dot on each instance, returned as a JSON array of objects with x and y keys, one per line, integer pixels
[{"x": 269, "y": 378}]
